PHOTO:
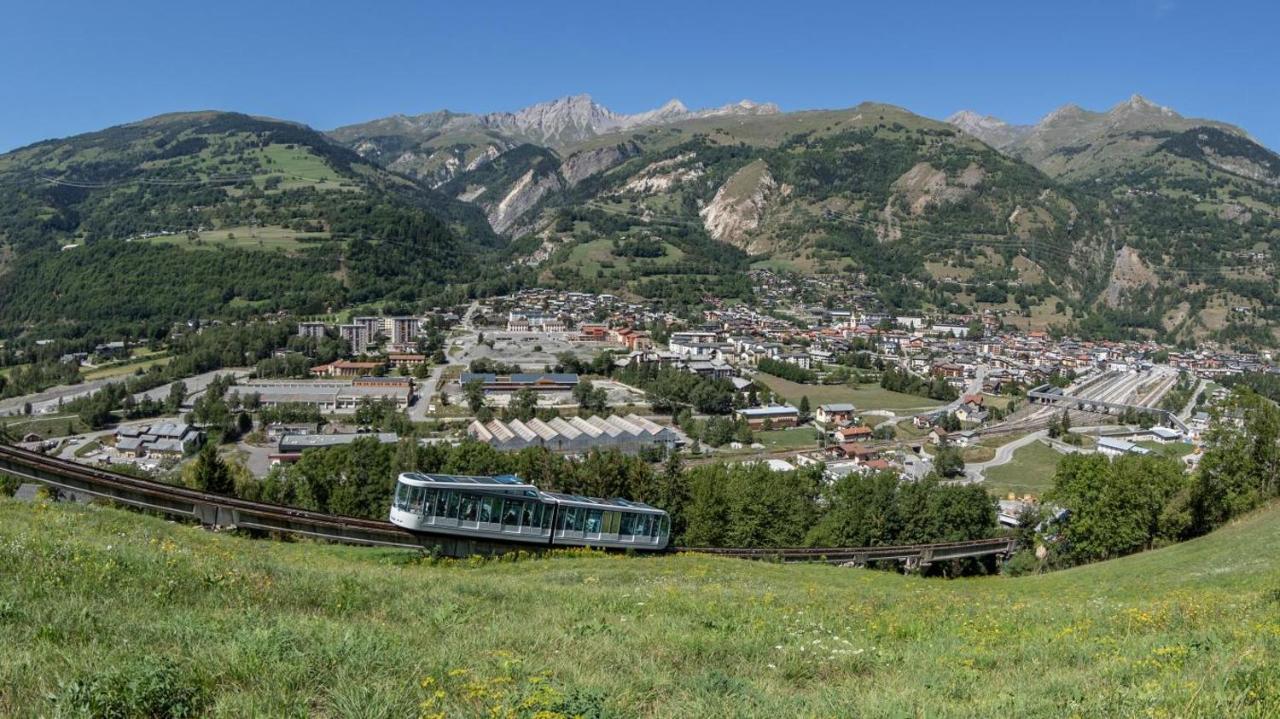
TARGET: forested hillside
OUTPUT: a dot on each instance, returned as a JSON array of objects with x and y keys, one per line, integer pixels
[
  {"x": 1195, "y": 206},
  {"x": 203, "y": 214},
  {"x": 1134, "y": 220}
]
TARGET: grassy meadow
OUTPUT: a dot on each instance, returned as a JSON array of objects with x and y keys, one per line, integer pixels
[
  {"x": 864, "y": 396},
  {"x": 1029, "y": 472},
  {"x": 108, "y": 613}
]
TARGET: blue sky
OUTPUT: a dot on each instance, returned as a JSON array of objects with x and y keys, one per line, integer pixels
[{"x": 76, "y": 66}]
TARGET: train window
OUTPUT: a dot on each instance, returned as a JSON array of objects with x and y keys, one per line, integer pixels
[
  {"x": 511, "y": 513},
  {"x": 487, "y": 513},
  {"x": 455, "y": 499},
  {"x": 428, "y": 501},
  {"x": 442, "y": 499},
  {"x": 624, "y": 527},
  {"x": 593, "y": 521},
  {"x": 467, "y": 510},
  {"x": 415, "y": 496},
  {"x": 666, "y": 526},
  {"x": 610, "y": 523},
  {"x": 400, "y": 492},
  {"x": 526, "y": 513}
]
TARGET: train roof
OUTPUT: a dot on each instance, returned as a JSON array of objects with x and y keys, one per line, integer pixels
[
  {"x": 502, "y": 482},
  {"x": 511, "y": 484},
  {"x": 595, "y": 502}
]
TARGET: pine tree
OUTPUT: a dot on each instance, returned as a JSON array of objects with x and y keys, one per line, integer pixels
[{"x": 210, "y": 473}]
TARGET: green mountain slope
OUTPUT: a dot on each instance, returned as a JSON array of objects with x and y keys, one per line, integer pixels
[
  {"x": 873, "y": 189},
  {"x": 192, "y": 214},
  {"x": 102, "y": 609},
  {"x": 1194, "y": 204}
]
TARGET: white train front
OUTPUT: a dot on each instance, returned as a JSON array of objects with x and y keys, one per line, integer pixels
[{"x": 504, "y": 508}]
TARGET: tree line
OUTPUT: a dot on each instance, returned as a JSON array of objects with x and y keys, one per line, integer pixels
[{"x": 745, "y": 505}]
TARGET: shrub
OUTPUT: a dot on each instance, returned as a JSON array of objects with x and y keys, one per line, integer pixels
[
  {"x": 147, "y": 688},
  {"x": 1021, "y": 563}
]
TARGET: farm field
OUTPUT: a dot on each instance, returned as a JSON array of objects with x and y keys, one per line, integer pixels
[{"x": 105, "y": 609}]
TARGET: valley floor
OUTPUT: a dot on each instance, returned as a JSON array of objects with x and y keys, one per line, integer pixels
[{"x": 103, "y": 608}]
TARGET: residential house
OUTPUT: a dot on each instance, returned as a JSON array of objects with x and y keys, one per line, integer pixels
[
  {"x": 860, "y": 433},
  {"x": 834, "y": 414}
]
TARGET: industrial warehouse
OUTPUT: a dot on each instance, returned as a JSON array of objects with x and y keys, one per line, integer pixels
[
  {"x": 334, "y": 395},
  {"x": 575, "y": 434}
]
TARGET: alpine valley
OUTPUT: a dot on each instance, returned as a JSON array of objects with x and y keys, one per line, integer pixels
[{"x": 1130, "y": 221}]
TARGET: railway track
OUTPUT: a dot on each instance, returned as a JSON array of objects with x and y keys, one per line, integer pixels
[{"x": 218, "y": 510}]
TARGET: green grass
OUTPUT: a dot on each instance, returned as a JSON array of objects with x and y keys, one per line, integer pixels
[
  {"x": 120, "y": 369},
  {"x": 4, "y": 371},
  {"x": 1030, "y": 471},
  {"x": 247, "y": 238},
  {"x": 46, "y": 425},
  {"x": 864, "y": 397},
  {"x": 1176, "y": 450},
  {"x": 784, "y": 439},
  {"x": 100, "y": 605},
  {"x": 591, "y": 257}
]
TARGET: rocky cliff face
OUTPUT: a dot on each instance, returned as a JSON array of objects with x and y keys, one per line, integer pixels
[
  {"x": 738, "y": 207},
  {"x": 925, "y": 185},
  {"x": 581, "y": 165},
  {"x": 504, "y": 216},
  {"x": 662, "y": 175},
  {"x": 1128, "y": 273}
]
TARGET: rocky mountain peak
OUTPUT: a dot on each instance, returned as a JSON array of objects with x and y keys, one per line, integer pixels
[
  {"x": 968, "y": 120},
  {"x": 1139, "y": 105},
  {"x": 988, "y": 128},
  {"x": 1069, "y": 111}
]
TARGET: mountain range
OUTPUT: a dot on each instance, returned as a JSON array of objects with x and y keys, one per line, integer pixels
[
  {"x": 1134, "y": 219},
  {"x": 1076, "y": 143}
]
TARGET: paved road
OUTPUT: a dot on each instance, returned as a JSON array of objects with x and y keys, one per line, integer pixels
[
  {"x": 1185, "y": 414},
  {"x": 470, "y": 314},
  {"x": 195, "y": 385},
  {"x": 974, "y": 387},
  {"x": 426, "y": 395},
  {"x": 48, "y": 400},
  {"x": 1004, "y": 454},
  {"x": 257, "y": 459},
  {"x": 69, "y": 450}
]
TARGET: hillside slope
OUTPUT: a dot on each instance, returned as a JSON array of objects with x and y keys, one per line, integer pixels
[
  {"x": 1195, "y": 200},
  {"x": 219, "y": 207},
  {"x": 873, "y": 190},
  {"x": 101, "y": 608}
]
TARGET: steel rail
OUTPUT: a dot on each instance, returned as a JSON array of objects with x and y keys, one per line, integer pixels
[{"x": 213, "y": 509}]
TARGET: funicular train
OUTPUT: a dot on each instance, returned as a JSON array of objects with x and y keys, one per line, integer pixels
[{"x": 504, "y": 508}]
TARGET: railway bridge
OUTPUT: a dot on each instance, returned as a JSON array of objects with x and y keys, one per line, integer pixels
[{"x": 216, "y": 510}]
